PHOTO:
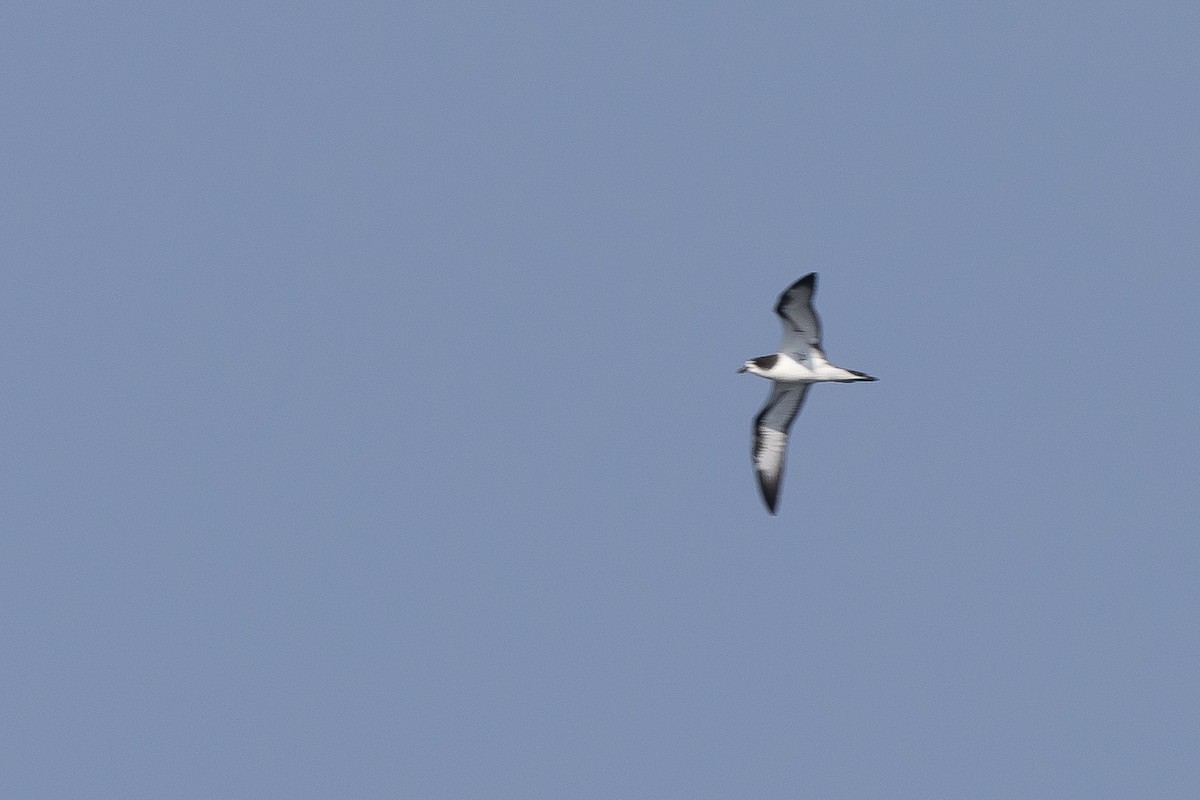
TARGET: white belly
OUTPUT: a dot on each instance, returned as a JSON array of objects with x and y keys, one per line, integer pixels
[
  {"x": 812, "y": 370},
  {"x": 787, "y": 368}
]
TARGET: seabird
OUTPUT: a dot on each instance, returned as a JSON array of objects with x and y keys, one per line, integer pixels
[{"x": 798, "y": 364}]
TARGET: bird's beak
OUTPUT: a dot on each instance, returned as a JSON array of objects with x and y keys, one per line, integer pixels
[{"x": 741, "y": 369}]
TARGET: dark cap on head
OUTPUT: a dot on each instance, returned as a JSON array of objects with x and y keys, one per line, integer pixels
[{"x": 765, "y": 362}]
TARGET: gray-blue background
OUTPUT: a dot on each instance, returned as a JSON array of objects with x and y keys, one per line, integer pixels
[{"x": 370, "y": 424}]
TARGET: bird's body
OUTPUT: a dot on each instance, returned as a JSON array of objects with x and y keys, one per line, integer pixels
[
  {"x": 799, "y": 363},
  {"x": 786, "y": 368}
]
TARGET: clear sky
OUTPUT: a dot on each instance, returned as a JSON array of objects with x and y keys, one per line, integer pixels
[{"x": 371, "y": 425}]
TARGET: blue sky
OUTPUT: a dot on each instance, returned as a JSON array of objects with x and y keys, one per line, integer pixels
[{"x": 372, "y": 425}]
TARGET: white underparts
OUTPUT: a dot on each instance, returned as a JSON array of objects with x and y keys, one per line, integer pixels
[{"x": 813, "y": 369}]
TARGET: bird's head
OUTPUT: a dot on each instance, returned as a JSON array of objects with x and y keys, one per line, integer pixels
[{"x": 760, "y": 365}]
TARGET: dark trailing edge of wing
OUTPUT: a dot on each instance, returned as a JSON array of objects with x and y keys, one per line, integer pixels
[{"x": 769, "y": 489}]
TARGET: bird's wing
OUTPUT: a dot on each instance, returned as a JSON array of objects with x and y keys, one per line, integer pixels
[
  {"x": 801, "y": 325},
  {"x": 771, "y": 435}
]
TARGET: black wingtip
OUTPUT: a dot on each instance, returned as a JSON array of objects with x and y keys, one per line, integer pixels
[
  {"x": 808, "y": 283},
  {"x": 809, "y": 280},
  {"x": 770, "y": 496}
]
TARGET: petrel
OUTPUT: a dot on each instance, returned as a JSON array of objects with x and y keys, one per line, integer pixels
[{"x": 799, "y": 363}]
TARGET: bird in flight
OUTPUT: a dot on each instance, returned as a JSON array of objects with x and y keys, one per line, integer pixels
[{"x": 799, "y": 363}]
